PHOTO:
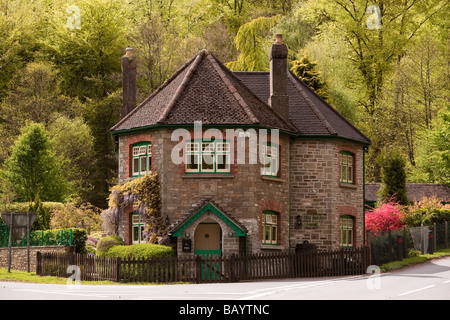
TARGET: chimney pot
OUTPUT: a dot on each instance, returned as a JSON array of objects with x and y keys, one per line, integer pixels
[{"x": 129, "y": 52}]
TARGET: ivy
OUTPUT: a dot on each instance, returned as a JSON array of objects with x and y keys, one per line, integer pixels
[{"x": 143, "y": 194}]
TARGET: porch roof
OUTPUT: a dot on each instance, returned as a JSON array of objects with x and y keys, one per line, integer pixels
[{"x": 179, "y": 227}]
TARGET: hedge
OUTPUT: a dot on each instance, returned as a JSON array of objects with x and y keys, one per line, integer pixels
[
  {"x": 49, "y": 238},
  {"x": 142, "y": 250},
  {"x": 106, "y": 243}
]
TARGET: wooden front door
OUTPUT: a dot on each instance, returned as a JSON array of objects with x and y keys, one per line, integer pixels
[{"x": 208, "y": 243}]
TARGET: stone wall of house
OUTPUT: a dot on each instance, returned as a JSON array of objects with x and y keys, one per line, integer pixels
[
  {"x": 315, "y": 192},
  {"x": 317, "y": 195},
  {"x": 243, "y": 194},
  {"x": 19, "y": 256}
]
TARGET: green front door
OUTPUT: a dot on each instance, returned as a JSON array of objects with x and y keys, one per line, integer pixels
[{"x": 208, "y": 244}]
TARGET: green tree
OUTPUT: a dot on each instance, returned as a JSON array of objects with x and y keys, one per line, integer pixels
[
  {"x": 32, "y": 169},
  {"x": 87, "y": 51},
  {"x": 73, "y": 145},
  {"x": 394, "y": 178},
  {"x": 253, "y": 44},
  {"x": 306, "y": 70},
  {"x": 434, "y": 153}
]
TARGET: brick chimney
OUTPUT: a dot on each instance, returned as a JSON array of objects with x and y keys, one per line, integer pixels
[
  {"x": 279, "y": 99},
  {"x": 129, "y": 65}
]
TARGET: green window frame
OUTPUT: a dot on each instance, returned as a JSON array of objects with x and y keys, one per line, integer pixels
[
  {"x": 347, "y": 232},
  {"x": 347, "y": 165},
  {"x": 270, "y": 160},
  {"x": 137, "y": 228},
  {"x": 270, "y": 228},
  {"x": 207, "y": 157},
  {"x": 141, "y": 159}
]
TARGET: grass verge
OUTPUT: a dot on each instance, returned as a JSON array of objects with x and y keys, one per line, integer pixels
[
  {"x": 31, "y": 277},
  {"x": 407, "y": 262}
]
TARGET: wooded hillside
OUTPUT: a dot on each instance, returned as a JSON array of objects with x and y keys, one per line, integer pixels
[{"x": 383, "y": 64}]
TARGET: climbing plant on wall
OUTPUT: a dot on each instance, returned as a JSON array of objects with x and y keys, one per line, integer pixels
[{"x": 143, "y": 194}]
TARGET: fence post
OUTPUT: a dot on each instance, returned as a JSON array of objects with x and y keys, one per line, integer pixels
[
  {"x": 405, "y": 244},
  {"x": 434, "y": 237},
  {"x": 400, "y": 248},
  {"x": 232, "y": 262},
  {"x": 38, "y": 263},
  {"x": 118, "y": 267},
  {"x": 422, "y": 239},
  {"x": 198, "y": 269},
  {"x": 446, "y": 234}
]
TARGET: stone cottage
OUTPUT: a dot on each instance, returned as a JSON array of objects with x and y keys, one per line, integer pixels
[{"x": 249, "y": 162}]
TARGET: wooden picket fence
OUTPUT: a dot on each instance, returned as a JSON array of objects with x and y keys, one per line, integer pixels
[{"x": 198, "y": 269}]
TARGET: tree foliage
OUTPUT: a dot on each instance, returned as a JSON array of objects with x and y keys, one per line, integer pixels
[
  {"x": 306, "y": 70},
  {"x": 32, "y": 169},
  {"x": 386, "y": 65},
  {"x": 394, "y": 178}
]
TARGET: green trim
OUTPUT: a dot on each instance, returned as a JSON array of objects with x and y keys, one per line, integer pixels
[
  {"x": 217, "y": 212},
  {"x": 190, "y": 126},
  {"x": 234, "y": 126}
]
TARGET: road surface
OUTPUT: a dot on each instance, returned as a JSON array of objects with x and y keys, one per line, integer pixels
[{"x": 427, "y": 281}]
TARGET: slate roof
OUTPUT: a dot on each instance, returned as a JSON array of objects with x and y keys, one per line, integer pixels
[
  {"x": 416, "y": 191},
  {"x": 309, "y": 113},
  {"x": 206, "y": 90},
  {"x": 203, "y": 90}
]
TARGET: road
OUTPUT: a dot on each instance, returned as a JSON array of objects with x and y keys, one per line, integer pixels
[{"x": 423, "y": 282}]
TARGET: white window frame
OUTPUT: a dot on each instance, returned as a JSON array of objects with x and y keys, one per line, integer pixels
[
  {"x": 270, "y": 224},
  {"x": 136, "y": 222},
  {"x": 139, "y": 153},
  {"x": 208, "y": 151},
  {"x": 271, "y": 164}
]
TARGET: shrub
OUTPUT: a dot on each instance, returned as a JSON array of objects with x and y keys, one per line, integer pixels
[
  {"x": 106, "y": 243},
  {"x": 426, "y": 212},
  {"x": 79, "y": 237},
  {"x": 388, "y": 216},
  {"x": 143, "y": 250}
]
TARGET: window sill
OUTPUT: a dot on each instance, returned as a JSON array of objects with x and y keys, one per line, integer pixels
[
  {"x": 274, "y": 179},
  {"x": 348, "y": 185},
  {"x": 208, "y": 176},
  {"x": 271, "y": 247}
]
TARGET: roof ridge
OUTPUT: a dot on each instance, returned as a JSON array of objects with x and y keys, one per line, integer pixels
[
  {"x": 154, "y": 93},
  {"x": 280, "y": 117},
  {"x": 183, "y": 85},
  {"x": 312, "y": 106},
  {"x": 233, "y": 89}
]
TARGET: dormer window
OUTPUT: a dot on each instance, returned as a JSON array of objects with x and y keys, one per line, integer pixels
[{"x": 141, "y": 162}]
